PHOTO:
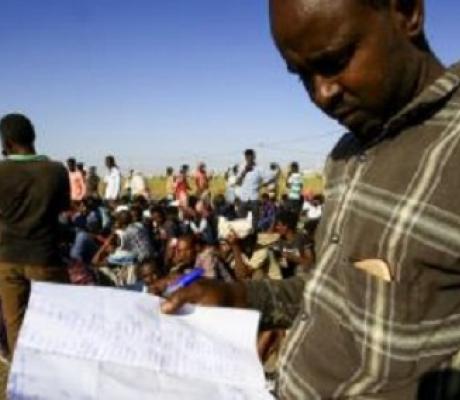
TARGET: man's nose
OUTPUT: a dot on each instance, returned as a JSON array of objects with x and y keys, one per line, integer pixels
[{"x": 325, "y": 92}]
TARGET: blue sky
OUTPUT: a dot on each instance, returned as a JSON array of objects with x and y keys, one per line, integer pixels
[{"x": 166, "y": 82}]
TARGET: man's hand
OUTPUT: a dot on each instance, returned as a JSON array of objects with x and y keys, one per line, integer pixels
[
  {"x": 232, "y": 239},
  {"x": 292, "y": 256},
  {"x": 204, "y": 292}
]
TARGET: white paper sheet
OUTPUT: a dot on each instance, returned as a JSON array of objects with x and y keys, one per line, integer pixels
[{"x": 98, "y": 343}]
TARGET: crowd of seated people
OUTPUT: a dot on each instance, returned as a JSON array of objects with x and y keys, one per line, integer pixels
[
  {"x": 110, "y": 243},
  {"x": 131, "y": 242}
]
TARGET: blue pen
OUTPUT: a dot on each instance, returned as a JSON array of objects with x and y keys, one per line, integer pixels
[{"x": 184, "y": 281}]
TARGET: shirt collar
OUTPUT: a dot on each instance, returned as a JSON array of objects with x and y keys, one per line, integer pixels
[
  {"x": 429, "y": 99},
  {"x": 26, "y": 157}
]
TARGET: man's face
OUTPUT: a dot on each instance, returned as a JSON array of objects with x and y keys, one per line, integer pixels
[
  {"x": 281, "y": 229},
  {"x": 355, "y": 61},
  {"x": 157, "y": 218},
  {"x": 147, "y": 274},
  {"x": 224, "y": 249},
  {"x": 4, "y": 147},
  {"x": 249, "y": 159},
  {"x": 185, "y": 252}
]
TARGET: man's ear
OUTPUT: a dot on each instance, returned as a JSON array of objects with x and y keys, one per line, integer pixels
[
  {"x": 410, "y": 17},
  {"x": 6, "y": 147}
]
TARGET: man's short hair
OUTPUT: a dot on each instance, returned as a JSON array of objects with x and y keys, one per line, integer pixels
[
  {"x": 18, "y": 129},
  {"x": 376, "y": 3},
  {"x": 406, "y": 4},
  {"x": 124, "y": 218},
  {"x": 249, "y": 153},
  {"x": 288, "y": 218},
  {"x": 191, "y": 240},
  {"x": 158, "y": 210}
]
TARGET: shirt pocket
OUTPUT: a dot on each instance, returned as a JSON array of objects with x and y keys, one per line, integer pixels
[{"x": 384, "y": 320}]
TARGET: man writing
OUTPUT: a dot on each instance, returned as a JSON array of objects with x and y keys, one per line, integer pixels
[
  {"x": 378, "y": 317},
  {"x": 34, "y": 191}
]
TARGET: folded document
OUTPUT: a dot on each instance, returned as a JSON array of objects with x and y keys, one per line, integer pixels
[{"x": 88, "y": 343}]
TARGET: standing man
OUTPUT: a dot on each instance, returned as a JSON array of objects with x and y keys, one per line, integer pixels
[
  {"x": 170, "y": 184},
  {"x": 181, "y": 186},
  {"x": 251, "y": 179},
  {"x": 81, "y": 168},
  {"x": 34, "y": 191},
  {"x": 294, "y": 185},
  {"x": 92, "y": 182},
  {"x": 77, "y": 181},
  {"x": 231, "y": 192},
  {"x": 272, "y": 187},
  {"x": 202, "y": 182},
  {"x": 112, "y": 180},
  {"x": 128, "y": 185},
  {"x": 139, "y": 185},
  {"x": 378, "y": 317}
]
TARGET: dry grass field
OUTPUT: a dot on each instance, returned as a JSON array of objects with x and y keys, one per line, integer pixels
[{"x": 156, "y": 184}]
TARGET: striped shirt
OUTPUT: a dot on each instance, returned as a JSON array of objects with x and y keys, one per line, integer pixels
[
  {"x": 295, "y": 182},
  {"x": 353, "y": 334}
]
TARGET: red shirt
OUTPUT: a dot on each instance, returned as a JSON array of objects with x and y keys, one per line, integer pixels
[
  {"x": 201, "y": 180},
  {"x": 181, "y": 185}
]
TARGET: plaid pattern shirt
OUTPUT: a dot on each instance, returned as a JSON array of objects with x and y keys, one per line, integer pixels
[{"x": 353, "y": 334}]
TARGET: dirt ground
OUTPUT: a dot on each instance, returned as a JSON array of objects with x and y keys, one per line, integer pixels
[{"x": 3, "y": 380}]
